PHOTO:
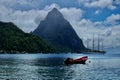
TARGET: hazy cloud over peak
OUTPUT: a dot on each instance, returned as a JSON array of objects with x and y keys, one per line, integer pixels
[{"x": 50, "y": 7}]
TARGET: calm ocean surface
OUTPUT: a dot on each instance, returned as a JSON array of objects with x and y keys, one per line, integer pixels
[{"x": 51, "y": 67}]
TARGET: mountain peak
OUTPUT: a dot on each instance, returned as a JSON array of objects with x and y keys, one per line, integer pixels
[
  {"x": 54, "y": 13},
  {"x": 59, "y": 32},
  {"x": 55, "y": 10}
]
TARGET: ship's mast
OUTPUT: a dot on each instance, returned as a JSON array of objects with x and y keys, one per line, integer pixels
[
  {"x": 93, "y": 41},
  {"x": 87, "y": 43},
  {"x": 102, "y": 45},
  {"x": 98, "y": 43}
]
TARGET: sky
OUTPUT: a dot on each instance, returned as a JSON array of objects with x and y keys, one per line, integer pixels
[{"x": 100, "y": 18}]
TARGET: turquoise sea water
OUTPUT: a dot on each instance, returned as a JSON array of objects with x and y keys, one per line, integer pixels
[{"x": 51, "y": 67}]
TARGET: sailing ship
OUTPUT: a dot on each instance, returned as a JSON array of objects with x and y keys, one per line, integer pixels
[{"x": 99, "y": 46}]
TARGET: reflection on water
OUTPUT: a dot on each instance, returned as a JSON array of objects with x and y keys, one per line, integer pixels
[{"x": 46, "y": 66}]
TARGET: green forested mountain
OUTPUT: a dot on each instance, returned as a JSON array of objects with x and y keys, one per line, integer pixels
[{"x": 13, "y": 39}]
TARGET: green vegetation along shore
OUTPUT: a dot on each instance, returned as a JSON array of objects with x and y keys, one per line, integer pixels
[{"x": 14, "y": 40}]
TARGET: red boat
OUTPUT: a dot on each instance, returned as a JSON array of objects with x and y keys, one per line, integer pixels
[{"x": 81, "y": 60}]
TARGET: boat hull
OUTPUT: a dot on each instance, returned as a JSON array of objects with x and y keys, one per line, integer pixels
[{"x": 76, "y": 61}]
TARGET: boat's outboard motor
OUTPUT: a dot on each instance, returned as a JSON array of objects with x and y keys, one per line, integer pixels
[{"x": 67, "y": 61}]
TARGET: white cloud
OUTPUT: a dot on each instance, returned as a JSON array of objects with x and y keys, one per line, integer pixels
[
  {"x": 21, "y": 4},
  {"x": 113, "y": 39},
  {"x": 113, "y": 19},
  {"x": 26, "y": 20},
  {"x": 117, "y": 2},
  {"x": 99, "y": 3},
  {"x": 110, "y": 35},
  {"x": 72, "y": 14},
  {"x": 97, "y": 11}
]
